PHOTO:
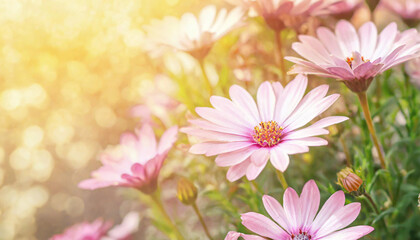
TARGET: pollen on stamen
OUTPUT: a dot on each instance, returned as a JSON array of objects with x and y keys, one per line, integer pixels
[
  {"x": 350, "y": 60},
  {"x": 301, "y": 236},
  {"x": 267, "y": 134}
]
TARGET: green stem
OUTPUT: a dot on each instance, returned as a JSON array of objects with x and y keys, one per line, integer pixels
[
  {"x": 282, "y": 180},
  {"x": 279, "y": 45},
  {"x": 346, "y": 151},
  {"x": 256, "y": 186},
  {"x": 206, "y": 78},
  {"x": 365, "y": 107},
  {"x": 156, "y": 199},
  {"x": 200, "y": 217},
  {"x": 375, "y": 208},
  {"x": 369, "y": 198}
]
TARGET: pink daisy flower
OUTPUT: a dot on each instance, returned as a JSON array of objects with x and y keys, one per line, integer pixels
[
  {"x": 413, "y": 70},
  {"x": 344, "y": 8},
  {"x": 245, "y": 135},
  {"x": 85, "y": 230},
  {"x": 135, "y": 162},
  {"x": 126, "y": 229},
  {"x": 354, "y": 57},
  {"x": 100, "y": 230},
  {"x": 297, "y": 219},
  {"x": 191, "y": 34},
  {"x": 409, "y": 10},
  {"x": 277, "y": 13}
]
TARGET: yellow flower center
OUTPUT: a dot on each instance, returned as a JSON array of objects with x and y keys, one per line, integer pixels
[{"x": 267, "y": 134}]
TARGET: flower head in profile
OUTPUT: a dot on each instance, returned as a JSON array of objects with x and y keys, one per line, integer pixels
[
  {"x": 408, "y": 10},
  {"x": 135, "y": 162},
  {"x": 101, "y": 230},
  {"x": 354, "y": 57},
  {"x": 193, "y": 35},
  {"x": 344, "y": 8},
  {"x": 297, "y": 219},
  {"x": 85, "y": 230},
  {"x": 413, "y": 70},
  {"x": 245, "y": 134},
  {"x": 279, "y": 14}
]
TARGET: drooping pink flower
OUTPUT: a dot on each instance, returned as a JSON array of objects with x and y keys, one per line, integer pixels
[
  {"x": 135, "y": 162},
  {"x": 193, "y": 35},
  {"x": 245, "y": 135},
  {"x": 297, "y": 219},
  {"x": 413, "y": 70},
  {"x": 408, "y": 10},
  {"x": 126, "y": 229},
  {"x": 100, "y": 230},
  {"x": 279, "y": 14},
  {"x": 354, "y": 57},
  {"x": 85, "y": 231},
  {"x": 344, "y": 8}
]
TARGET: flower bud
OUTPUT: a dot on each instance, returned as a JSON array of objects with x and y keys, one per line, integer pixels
[
  {"x": 186, "y": 191},
  {"x": 349, "y": 180}
]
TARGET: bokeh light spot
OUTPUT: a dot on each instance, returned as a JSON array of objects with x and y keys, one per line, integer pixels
[{"x": 33, "y": 136}]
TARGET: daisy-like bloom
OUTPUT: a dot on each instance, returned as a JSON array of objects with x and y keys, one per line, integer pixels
[
  {"x": 354, "y": 57},
  {"x": 408, "y": 10},
  {"x": 413, "y": 70},
  {"x": 193, "y": 35},
  {"x": 100, "y": 230},
  {"x": 126, "y": 229},
  {"x": 344, "y": 8},
  {"x": 245, "y": 135},
  {"x": 135, "y": 162},
  {"x": 85, "y": 230},
  {"x": 279, "y": 14},
  {"x": 297, "y": 219}
]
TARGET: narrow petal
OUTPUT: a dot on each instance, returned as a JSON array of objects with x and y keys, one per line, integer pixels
[
  {"x": 309, "y": 200},
  {"x": 213, "y": 148},
  {"x": 276, "y": 211},
  {"x": 236, "y": 157},
  {"x": 290, "y": 98},
  {"x": 260, "y": 156},
  {"x": 279, "y": 159},
  {"x": 147, "y": 142},
  {"x": 236, "y": 172},
  {"x": 341, "y": 73},
  {"x": 206, "y": 18},
  {"x": 292, "y": 208},
  {"x": 245, "y": 101},
  {"x": 332, "y": 205},
  {"x": 340, "y": 219},
  {"x": 253, "y": 170},
  {"x": 386, "y": 40},
  {"x": 352, "y": 233},
  {"x": 306, "y": 132},
  {"x": 368, "y": 37},
  {"x": 262, "y": 225},
  {"x": 329, "y": 40},
  {"x": 347, "y": 37},
  {"x": 266, "y": 101},
  {"x": 168, "y": 139},
  {"x": 232, "y": 111},
  {"x": 309, "y": 141}
]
